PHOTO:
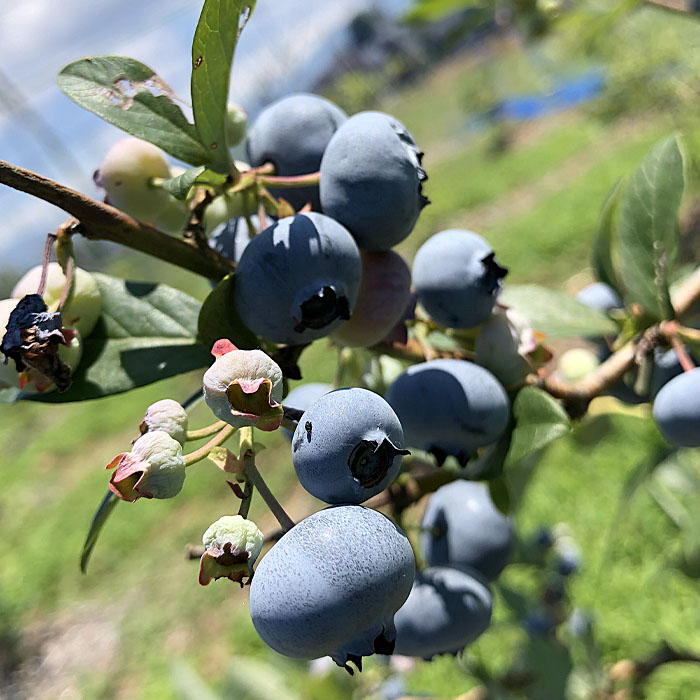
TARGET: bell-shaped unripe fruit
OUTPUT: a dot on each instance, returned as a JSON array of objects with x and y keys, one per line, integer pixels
[
  {"x": 231, "y": 546},
  {"x": 169, "y": 416},
  {"x": 600, "y": 296},
  {"x": 85, "y": 306},
  {"x": 385, "y": 291},
  {"x": 331, "y": 586},
  {"x": 244, "y": 387},
  {"x": 457, "y": 278},
  {"x": 372, "y": 178},
  {"x": 503, "y": 344},
  {"x": 155, "y": 468},
  {"x": 446, "y": 610},
  {"x": 677, "y": 409},
  {"x": 125, "y": 174},
  {"x": 347, "y": 446},
  {"x": 298, "y": 280},
  {"x": 462, "y": 527},
  {"x": 292, "y": 133},
  {"x": 449, "y": 407}
]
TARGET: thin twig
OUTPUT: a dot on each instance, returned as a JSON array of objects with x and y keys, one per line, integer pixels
[
  {"x": 99, "y": 221},
  {"x": 205, "y": 432},
  {"x": 48, "y": 246},
  {"x": 203, "y": 452}
]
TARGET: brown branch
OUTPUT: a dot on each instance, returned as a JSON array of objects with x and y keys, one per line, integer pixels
[{"x": 99, "y": 221}]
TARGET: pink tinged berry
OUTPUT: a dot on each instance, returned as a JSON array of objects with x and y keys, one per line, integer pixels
[
  {"x": 244, "y": 387},
  {"x": 385, "y": 292},
  {"x": 155, "y": 468}
]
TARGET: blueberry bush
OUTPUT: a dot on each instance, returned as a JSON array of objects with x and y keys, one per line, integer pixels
[{"x": 449, "y": 383}]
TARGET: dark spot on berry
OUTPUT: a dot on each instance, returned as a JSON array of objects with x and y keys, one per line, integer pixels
[{"x": 369, "y": 462}]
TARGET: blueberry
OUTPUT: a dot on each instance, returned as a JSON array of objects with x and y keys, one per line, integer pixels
[
  {"x": 600, "y": 296},
  {"x": 292, "y": 133},
  {"x": 666, "y": 367},
  {"x": 371, "y": 180},
  {"x": 457, "y": 278},
  {"x": 298, "y": 280},
  {"x": 677, "y": 409},
  {"x": 463, "y": 528},
  {"x": 385, "y": 293},
  {"x": 449, "y": 407},
  {"x": 347, "y": 446},
  {"x": 331, "y": 586},
  {"x": 231, "y": 238},
  {"x": 446, "y": 610}
]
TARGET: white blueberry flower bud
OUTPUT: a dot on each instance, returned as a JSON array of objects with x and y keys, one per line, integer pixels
[{"x": 166, "y": 415}]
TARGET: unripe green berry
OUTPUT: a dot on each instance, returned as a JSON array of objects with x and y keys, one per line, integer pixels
[
  {"x": 125, "y": 174},
  {"x": 236, "y": 125},
  {"x": 576, "y": 364}
]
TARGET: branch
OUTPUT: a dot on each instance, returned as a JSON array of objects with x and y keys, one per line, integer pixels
[{"x": 99, "y": 221}]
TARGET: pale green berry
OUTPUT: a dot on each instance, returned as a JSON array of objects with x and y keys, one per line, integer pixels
[
  {"x": 577, "y": 363},
  {"x": 85, "y": 306},
  {"x": 125, "y": 174},
  {"x": 236, "y": 125},
  {"x": 169, "y": 416}
]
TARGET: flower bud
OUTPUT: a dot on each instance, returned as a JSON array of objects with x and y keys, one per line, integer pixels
[
  {"x": 232, "y": 546},
  {"x": 244, "y": 387},
  {"x": 166, "y": 415},
  {"x": 155, "y": 468}
]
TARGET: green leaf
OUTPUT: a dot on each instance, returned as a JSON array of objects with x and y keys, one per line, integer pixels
[
  {"x": 648, "y": 228},
  {"x": 218, "y": 319},
  {"x": 146, "y": 332},
  {"x": 605, "y": 236},
  {"x": 213, "y": 46},
  {"x": 130, "y": 95},
  {"x": 539, "y": 420},
  {"x": 489, "y": 465},
  {"x": 179, "y": 186},
  {"x": 498, "y": 489},
  {"x": 109, "y": 503},
  {"x": 556, "y": 314}
]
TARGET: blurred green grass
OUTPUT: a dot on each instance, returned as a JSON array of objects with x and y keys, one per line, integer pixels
[{"x": 537, "y": 201}]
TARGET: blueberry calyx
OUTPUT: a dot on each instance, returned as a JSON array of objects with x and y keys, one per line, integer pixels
[
  {"x": 370, "y": 461},
  {"x": 493, "y": 274},
  {"x": 321, "y": 309}
]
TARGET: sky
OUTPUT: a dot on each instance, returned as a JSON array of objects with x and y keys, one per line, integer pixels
[{"x": 58, "y": 139}]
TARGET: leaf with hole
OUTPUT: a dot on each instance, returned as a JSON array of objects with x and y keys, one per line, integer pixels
[{"x": 129, "y": 95}]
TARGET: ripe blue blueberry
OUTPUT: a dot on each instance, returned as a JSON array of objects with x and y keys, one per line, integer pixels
[
  {"x": 231, "y": 238},
  {"x": 449, "y": 407},
  {"x": 677, "y": 409},
  {"x": 292, "y": 134},
  {"x": 600, "y": 296},
  {"x": 463, "y": 528},
  {"x": 347, "y": 446},
  {"x": 298, "y": 280},
  {"x": 457, "y": 278},
  {"x": 666, "y": 367},
  {"x": 371, "y": 180},
  {"x": 331, "y": 586},
  {"x": 446, "y": 610}
]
